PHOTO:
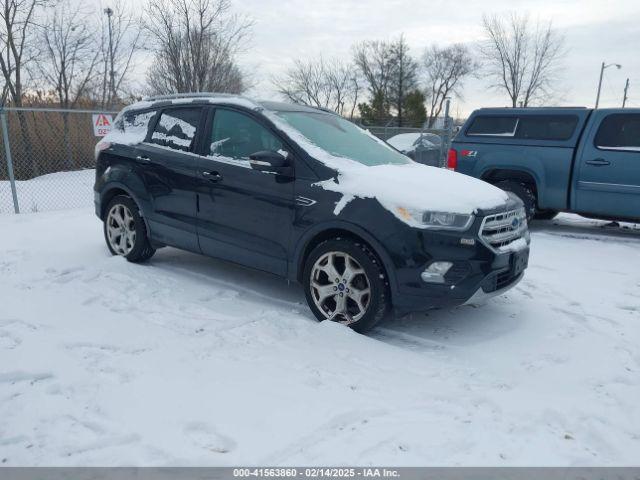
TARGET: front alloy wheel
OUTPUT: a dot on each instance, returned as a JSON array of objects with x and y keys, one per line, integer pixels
[
  {"x": 340, "y": 287},
  {"x": 345, "y": 282}
]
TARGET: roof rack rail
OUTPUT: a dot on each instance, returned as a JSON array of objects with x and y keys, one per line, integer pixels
[
  {"x": 565, "y": 107},
  {"x": 174, "y": 96}
]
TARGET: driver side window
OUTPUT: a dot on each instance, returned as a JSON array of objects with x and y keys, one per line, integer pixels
[{"x": 235, "y": 135}]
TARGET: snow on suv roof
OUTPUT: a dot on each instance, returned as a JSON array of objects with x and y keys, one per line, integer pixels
[{"x": 226, "y": 98}]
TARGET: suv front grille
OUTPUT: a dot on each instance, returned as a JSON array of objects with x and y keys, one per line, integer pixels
[{"x": 501, "y": 229}]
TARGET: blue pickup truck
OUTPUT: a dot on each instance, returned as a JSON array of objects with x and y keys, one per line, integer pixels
[{"x": 556, "y": 159}]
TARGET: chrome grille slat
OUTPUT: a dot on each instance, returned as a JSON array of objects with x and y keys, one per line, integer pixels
[{"x": 498, "y": 230}]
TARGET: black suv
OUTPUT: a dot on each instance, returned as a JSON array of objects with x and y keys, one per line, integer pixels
[{"x": 307, "y": 195}]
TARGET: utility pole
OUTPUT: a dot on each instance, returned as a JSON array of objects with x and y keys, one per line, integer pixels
[
  {"x": 625, "y": 96},
  {"x": 112, "y": 86},
  {"x": 602, "y": 69}
]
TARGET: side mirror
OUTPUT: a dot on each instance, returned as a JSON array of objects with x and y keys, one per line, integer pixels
[{"x": 269, "y": 161}]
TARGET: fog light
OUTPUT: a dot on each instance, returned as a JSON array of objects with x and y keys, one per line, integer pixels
[{"x": 435, "y": 272}]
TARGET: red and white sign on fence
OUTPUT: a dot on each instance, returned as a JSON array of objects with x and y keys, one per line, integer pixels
[{"x": 101, "y": 124}]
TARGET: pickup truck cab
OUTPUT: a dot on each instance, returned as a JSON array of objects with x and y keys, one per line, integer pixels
[{"x": 556, "y": 159}]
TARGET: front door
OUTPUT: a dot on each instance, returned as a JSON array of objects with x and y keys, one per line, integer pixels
[
  {"x": 169, "y": 169},
  {"x": 244, "y": 215},
  {"x": 608, "y": 176}
]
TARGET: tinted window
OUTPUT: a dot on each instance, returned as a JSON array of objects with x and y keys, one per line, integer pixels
[
  {"x": 547, "y": 127},
  {"x": 176, "y": 128},
  {"x": 532, "y": 127},
  {"x": 496, "y": 126},
  {"x": 236, "y": 135},
  {"x": 619, "y": 131}
]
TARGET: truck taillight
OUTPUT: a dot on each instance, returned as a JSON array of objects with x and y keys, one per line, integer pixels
[{"x": 452, "y": 159}]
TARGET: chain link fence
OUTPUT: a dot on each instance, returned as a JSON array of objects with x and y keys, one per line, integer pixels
[
  {"x": 52, "y": 155},
  {"x": 51, "y": 152}
]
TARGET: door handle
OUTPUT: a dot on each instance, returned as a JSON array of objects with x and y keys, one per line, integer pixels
[
  {"x": 143, "y": 159},
  {"x": 212, "y": 176},
  {"x": 598, "y": 162}
]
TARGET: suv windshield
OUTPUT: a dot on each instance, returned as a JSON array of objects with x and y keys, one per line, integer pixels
[{"x": 342, "y": 138}]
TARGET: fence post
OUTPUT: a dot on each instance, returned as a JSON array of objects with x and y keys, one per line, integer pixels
[
  {"x": 448, "y": 129},
  {"x": 7, "y": 151}
]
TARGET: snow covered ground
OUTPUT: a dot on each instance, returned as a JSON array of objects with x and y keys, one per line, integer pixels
[
  {"x": 191, "y": 361},
  {"x": 54, "y": 191}
]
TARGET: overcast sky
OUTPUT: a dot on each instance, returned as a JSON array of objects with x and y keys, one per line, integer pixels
[{"x": 595, "y": 31}]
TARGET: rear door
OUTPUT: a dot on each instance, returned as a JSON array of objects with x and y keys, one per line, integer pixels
[
  {"x": 168, "y": 166},
  {"x": 608, "y": 176},
  {"x": 245, "y": 216}
]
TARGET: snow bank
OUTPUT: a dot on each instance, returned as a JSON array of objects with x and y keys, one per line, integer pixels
[{"x": 54, "y": 191}]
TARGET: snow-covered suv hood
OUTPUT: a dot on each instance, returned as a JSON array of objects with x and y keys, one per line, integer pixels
[{"x": 416, "y": 186}]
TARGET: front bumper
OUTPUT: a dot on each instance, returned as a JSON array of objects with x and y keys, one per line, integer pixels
[
  {"x": 480, "y": 280},
  {"x": 480, "y": 270},
  {"x": 481, "y": 297}
]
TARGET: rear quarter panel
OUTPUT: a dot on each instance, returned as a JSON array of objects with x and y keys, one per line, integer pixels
[{"x": 550, "y": 167}]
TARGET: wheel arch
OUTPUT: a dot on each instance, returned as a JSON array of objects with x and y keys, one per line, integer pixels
[
  {"x": 495, "y": 175},
  {"x": 320, "y": 233},
  {"x": 112, "y": 190}
]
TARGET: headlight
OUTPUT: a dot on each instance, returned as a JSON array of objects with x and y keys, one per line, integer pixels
[{"x": 434, "y": 220}]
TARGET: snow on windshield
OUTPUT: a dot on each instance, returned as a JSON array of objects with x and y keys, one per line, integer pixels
[{"x": 407, "y": 184}]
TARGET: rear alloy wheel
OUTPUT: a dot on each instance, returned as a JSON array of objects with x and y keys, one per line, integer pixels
[
  {"x": 121, "y": 231},
  {"x": 125, "y": 231},
  {"x": 345, "y": 283}
]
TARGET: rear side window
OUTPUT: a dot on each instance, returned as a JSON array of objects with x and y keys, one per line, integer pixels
[
  {"x": 176, "y": 128},
  {"x": 493, "y": 126},
  {"x": 620, "y": 131},
  {"x": 547, "y": 127},
  {"x": 531, "y": 127}
]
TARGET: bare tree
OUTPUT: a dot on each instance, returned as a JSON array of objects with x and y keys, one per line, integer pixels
[
  {"x": 196, "y": 43},
  {"x": 445, "y": 69},
  {"x": 375, "y": 61},
  {"x": 121, "y": 47},
  {"x": 404, "y": 76},
  {"x": 16, "y": 43},
  {"x": 69, "y": 59},
  {"x": 522, "y": 56},
  {"x": 390, "y": 74},
  {"x": 332, "y": 85},
  {"x": 16, "y": 51}
]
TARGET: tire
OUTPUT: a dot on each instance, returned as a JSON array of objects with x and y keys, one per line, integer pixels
[
  {"x": 125, "y": 231},
  {"x": 343, "y": 289},
  {"x": 545, "y": 214},
  {"x": 524, "y": 192}
]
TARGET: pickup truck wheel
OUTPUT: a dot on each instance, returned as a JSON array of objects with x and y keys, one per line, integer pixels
[
  {"x": 345, "y": 282},
  {"x": 545, "y": 214},
  {"x": 524, "y": 192}
]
